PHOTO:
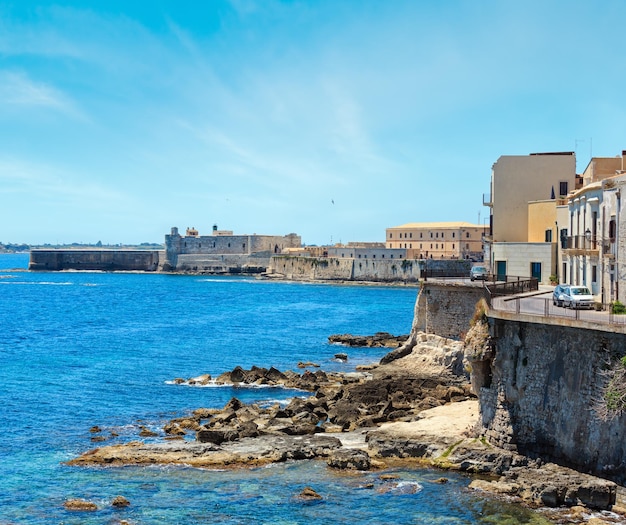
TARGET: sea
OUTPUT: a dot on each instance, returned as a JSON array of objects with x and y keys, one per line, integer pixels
[{"x": 85, "y": 349}]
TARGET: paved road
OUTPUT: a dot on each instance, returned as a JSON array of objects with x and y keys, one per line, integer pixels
[{"x": 542, "y": 305}]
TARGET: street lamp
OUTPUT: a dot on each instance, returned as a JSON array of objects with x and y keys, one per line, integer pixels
[{"x": 588, "y": 234}]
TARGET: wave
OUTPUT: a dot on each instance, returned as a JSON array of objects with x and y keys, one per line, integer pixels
[
  {"x": 41, "y": 283},
  {"x": 213, "y": 384}
]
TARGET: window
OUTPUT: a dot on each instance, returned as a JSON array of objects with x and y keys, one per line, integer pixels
[
  {"x": 453, "y": 234},
  {"x": 420, "y": 245},
  {"x": 420, "y": 235},
  {"x": 391, "y": 235},
  {"x": 453, "y": 246},
  {"x": 410, "y": 246},
  {"x": 373, "y": 256},
  {"x": 548, "y": 235},
  {"x": 467, "y": 246},
  {"x": 431, "y": 245},
  {"x": 563, "y": 188},
  {"x": 467, "y": 235},
  {"x": 594, "y": 274},
  {"x": 612, "y": 229},
  {"x": 410, "y": 235},
  {"x": 436, "y": 246},
  {"x": 431, "y": 235}
]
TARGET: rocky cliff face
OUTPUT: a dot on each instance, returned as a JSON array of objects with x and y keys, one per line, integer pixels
[{"x": 539, "y": 387}]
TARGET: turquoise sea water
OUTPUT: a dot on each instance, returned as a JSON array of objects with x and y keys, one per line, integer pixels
[{"x": 85, "y": 349}]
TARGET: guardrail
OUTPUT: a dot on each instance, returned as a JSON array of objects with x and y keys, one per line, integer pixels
[
  {"x": 510, "y": 285},
  {"x": 545, "y": 307}
]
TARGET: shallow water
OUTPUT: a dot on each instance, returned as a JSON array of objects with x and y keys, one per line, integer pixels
[{"x": 85, "y": 349}]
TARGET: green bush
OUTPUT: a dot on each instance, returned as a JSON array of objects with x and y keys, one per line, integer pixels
[{"x": 618, "y": 308}]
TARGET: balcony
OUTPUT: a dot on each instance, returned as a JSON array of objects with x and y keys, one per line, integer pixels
[
  {"x": 583, "y": 244},
  {"x": 487, "y": 199}
]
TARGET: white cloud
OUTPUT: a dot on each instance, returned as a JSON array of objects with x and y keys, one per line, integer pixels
[{"x": 19, "y": 91}]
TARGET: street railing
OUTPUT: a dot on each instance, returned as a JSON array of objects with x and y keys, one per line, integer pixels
[{"x": 545, "y": 307}]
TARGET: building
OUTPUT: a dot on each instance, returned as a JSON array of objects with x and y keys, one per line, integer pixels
[
  {"x": 526, "y": 191},
  {"x": 594, "y": 241},
  {"x": 365, "y": 250},
  {"x": 437, "y": 240},
  {"x": 222, "y": 251}
]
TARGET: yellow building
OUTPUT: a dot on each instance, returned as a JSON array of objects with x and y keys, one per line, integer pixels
[{"x": 437, "y": 240}]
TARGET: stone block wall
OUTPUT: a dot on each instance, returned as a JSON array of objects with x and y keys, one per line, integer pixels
[
  {"x": 94, "y": 260},
  {"x": 446, "y": 309},
  {"x": 539, "y": 388}
]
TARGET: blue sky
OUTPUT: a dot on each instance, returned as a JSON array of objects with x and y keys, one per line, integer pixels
[{"x": 333, "y": 119}]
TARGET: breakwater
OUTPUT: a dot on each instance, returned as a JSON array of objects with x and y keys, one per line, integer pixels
[{"x": 95, "y": 260}]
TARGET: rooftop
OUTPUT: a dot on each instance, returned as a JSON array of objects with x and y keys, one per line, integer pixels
[{"x": 437, "y": 225}]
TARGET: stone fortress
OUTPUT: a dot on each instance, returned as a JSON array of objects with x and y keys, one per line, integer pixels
[{"x": 223, "y": 252}]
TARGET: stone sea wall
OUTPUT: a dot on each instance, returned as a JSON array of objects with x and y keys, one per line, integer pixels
[
  {"x": 446, "y": 309},
  {"x": 539, "y": 387},
  {"x": 95, "y": 260},
  {"x": 348, "y": 269}
]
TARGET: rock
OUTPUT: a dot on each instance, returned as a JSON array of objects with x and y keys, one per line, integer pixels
[
  {"x": 378, "y": 339},
  {"x": 80, "y": 505},
  {"x": 307, "y": 364},
  {"x": 216, "y": 436},
  {"x": 173, "y": 429},
  {"x": 120, "y": 501},
  {"x": 96, "y": 439},
  {"x": 341, "y": 357},
  {"x": 349, "y": 459},
  {"x": 145, "y": 432},
  {"x": 441, "y": 481},
  {"x": 309, "y": 494},
  {"x": 95, "y": 429},
  {"x": 203, "y": 379}
]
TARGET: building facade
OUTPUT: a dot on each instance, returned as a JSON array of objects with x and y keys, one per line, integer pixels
[
  {"x": 437, "y": 240},
  {"x": 594, "y": 243},
  {"x": 525, "y": 193}
]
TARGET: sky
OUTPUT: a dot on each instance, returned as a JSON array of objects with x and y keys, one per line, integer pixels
[{"x": 332, "y": 119}]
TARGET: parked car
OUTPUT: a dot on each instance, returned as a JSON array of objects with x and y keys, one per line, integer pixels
[
  {"x": 556, "y": 295},
  {"x": 576, "y": 297},
  {"x": 478, "y": 272}
]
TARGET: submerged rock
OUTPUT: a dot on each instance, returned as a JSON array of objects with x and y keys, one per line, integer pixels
[{"x": 80, "y": 505}]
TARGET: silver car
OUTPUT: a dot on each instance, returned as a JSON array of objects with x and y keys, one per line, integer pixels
[
  {"x": 576, "y": 297},
  {"x": 478, "y": 272}
]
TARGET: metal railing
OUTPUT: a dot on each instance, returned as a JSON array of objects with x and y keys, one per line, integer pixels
[
  {"x": 500, "y": 285},
  {"x": 581, "y": 242},
  {"x": 544, "y": 307}
]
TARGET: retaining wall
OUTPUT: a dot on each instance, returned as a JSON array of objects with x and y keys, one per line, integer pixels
[{"x": 539, "y": 390}]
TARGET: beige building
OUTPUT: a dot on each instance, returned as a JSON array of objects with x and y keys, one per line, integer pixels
[
  {"x": 437, "y": 240},
  {"x": 526, "y": 192},
  {"x": 517, "y": 180}
]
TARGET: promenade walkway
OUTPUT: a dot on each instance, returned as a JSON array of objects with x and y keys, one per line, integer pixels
[{"x": 540, "y": 304}]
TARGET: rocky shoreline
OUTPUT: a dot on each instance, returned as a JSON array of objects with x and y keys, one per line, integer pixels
[{"x": 417, "y": 406}]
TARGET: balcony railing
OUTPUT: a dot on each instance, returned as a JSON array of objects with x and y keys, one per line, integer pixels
[
  {"x": 581, "y": 242},
  {"x": 487, "y": 199}
]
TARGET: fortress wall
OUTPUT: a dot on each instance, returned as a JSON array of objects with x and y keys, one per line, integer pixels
[
  {"x": 206, "y": 263},
  {"x": 539, "y": 388},
  {"x": 337, "y": 269},
  {"x": 94, "y": 260},
  {"x": 446, "y": 308},
  {"x": 229, "y": 244}
]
